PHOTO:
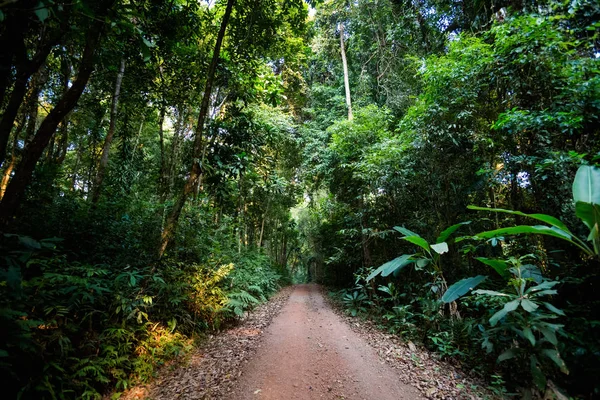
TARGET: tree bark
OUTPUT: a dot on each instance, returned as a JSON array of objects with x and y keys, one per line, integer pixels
[
  {"x": 13, "y": 157},
  {"x": 35, "y": 149},
  {"x": 97, "y": 187},
  {"x": 346, "y": 79},
  {"x": 196, "y": 169}
]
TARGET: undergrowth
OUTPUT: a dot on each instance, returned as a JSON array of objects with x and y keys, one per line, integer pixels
[{"x": 71, "y": 329}]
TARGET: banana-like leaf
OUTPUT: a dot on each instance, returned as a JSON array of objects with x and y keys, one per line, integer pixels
[
  {"x": 449, "y": 231},
  {"x": 586, "y": 185},
  {"x": 500, "y": 266},
  {"x": 419, "y": 241},
  {"x": 405, "y": 232},
  {"x": 392, "y": 266},
  {"x": 590, "y": 215},
  {"x": 540, "y": 217},
  {"x": 520, "y": 229},
  {"x": 461, "y": 287}
]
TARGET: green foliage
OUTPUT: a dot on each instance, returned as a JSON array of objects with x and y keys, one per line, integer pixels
[{"x": 87, "y": 326}]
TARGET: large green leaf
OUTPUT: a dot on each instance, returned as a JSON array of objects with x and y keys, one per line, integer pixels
[
  {"x": 540, "y": 217},
  {"x": 419, "y": 241},
  {"x": 508, "y": 307},
  {"x": 520, "y": 229},
  {"x": 590, "y": 215},
  {"x": 449, "y": 231},
  {"x": 500, "y": 266},
  {"x": 405, "y": 232},
  {"x": 392, "y": 266},
  {"x": 586, "y": 185},
  {"x": 461, "y": 287}
]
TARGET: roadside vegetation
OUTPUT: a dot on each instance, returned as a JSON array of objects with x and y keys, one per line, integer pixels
[{"x": 458, "y": 206}]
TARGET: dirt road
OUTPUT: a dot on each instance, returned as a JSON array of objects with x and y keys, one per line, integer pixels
[{"x": 308, "y": 352}]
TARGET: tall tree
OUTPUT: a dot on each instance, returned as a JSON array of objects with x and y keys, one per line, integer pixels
[
  {"x": 196, "y": 169},
  {"x": 97, "y": 187},
  {"x": 346, "y": 77}
]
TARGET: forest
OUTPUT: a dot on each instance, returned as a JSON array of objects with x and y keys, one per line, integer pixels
[{"x": 168, "y": 165}]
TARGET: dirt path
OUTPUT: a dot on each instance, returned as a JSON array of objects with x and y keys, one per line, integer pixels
[{"x": 308, "y": 352}]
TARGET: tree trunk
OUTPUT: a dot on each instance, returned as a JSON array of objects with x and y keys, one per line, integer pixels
[
  {"x": 97, "y": 187},
  {"x": 346, "y": 79},
  {"x": 162, "y": 180},
  {"x": 196, "y": 169},
  {"x": 35, "y": 149},
  {"x": 13, "y": 158}
]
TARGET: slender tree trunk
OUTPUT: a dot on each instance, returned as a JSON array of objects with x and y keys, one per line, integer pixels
[
  {"x": 13, "y": 159},
  {"x": 97, "y": 187},
  {"x": 346, "y": 79},
  {"x": 162, "y": 184},
  {"x": 171, "y": 222},
  {"x": 63, "y": 143},
  {"x": 35, "y": 149}
]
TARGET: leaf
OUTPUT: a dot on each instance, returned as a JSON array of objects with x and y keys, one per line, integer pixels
[
  {"x": 490, "y": 293},
  {"x": 423, "y": 262},
  {"x": 542, "y": 286},
  {"x": 549, "y": 334},
  {"x": 549, "y": 219},
  {"x": 449, "y": 231},
  {"x": 520, "y": 229},
  {"x": 391, "y": 266},
  {"x": 41, "y": 11},
  {"x": 555, "y": 356},
  {"x": 590, "y": 215},
  {"x": 500, "y": 266},
  {"x": 528, "y": 334},
  {"x": 554, "y": 309},
  {"x": 508, "y": 307},
  {"x": 508, "y": 354},
  {"x": 529, "y": 305},
  {"x": 586, "y": 185},
  {"x": 531, "y": 271},
  {"x": 29, "y": 242},
  {"x": 440, "y": 248},
  {"x": 405, "y": 232},
  {"x": 419, "y": 241},
  {"x": 461, "y": 287}
]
